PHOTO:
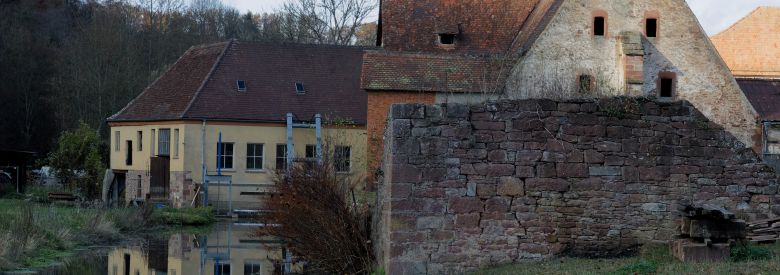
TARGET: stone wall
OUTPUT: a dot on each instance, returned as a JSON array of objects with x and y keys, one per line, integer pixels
[{"x": 472, "y": 186}]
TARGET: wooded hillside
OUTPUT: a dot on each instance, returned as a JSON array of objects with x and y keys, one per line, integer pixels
[{"x": 65, "y": 61}]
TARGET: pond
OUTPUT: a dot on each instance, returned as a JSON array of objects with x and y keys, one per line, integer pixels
[{"x": 229, "y": 248}]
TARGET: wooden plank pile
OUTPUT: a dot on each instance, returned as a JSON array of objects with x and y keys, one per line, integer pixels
[
  {"x": 764, "y": 231},
  {"x": 706, "y": 234}
]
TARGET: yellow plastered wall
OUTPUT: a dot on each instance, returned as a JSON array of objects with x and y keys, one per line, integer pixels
[
  {"x": 141, "y": 158},
  {"x": 268, "y": 135},
  {"x": 240, "y": 134}
]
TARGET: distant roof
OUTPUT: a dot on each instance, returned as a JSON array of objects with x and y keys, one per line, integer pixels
[
  {"x": 399, "y": 71},
  {"x": 202, "y": 84},
  {"x": 751, "y": 46},
  {"x": 764, "y": 95},
  {"x": 483, "y": 26}
]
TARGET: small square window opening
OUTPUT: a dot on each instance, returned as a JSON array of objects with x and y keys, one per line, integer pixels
[
  {"x": 599, "y": 26},
  {"x": 667, "y": 87},
  {"x": 241, "y": 85},
  {"x": 651, "y": 27},
  {"x": 299, "y": 89},
  {"x": 446, "y": 38}
]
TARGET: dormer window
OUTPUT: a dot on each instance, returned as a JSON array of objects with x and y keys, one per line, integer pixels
[
  {"x": 447, "y": 38},
  {"x": 241, "y": 85},
  {"x": 299, "y": 89}
]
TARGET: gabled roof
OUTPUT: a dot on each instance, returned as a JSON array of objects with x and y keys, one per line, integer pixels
[
  {"x": 751, "y": 46},
  {"x": 203, "y": 84},
  {"x": 491, "y": 34},
  {"x": 169, "y": 96},
  {"x": 764, "y": 95},
  {"x": 483, "y": 26}
]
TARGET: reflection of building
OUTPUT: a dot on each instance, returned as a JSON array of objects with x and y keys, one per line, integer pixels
[
  {"x": 751, "y": 49},
  {"x": 228, "y": 249},
  {"x": 165, "y": 140}
]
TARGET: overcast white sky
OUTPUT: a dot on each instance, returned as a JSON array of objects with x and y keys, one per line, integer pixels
[{"x": 714, "y": 15}]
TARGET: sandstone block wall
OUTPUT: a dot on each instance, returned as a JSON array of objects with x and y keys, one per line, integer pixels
[{"x": 471, "y": 186}]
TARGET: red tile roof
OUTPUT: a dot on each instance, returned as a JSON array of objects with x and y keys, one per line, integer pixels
[
  {"x": 397, "y": 71},
  {"x": 491, "y": 33},
  {"x": 764, "y": 95},
  {"x": 751, "y": 46},
  {"x": 330, "y": 75},
  {"x": 485, "y": 26},
  {"x": 169, "y": 95}
]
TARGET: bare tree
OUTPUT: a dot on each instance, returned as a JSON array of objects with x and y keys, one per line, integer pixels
[{"x": 329, "y": 21}]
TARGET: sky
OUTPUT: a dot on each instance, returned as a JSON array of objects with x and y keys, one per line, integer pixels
[{"x": 714, "y": 15}]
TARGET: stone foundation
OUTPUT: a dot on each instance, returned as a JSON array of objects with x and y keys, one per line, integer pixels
[
  {"x": 181, "y": 190},
  {"x": 472, "y": 186}
]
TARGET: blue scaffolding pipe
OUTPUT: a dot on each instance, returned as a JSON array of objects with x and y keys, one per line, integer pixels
[
  {"x": 291, "y": 147},
  {"x": 219, "y": 155}
]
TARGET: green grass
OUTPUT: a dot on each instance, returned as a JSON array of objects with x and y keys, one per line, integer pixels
[
  {"x": 654, "y": 259},
  {"x": 184, "y": 217}
]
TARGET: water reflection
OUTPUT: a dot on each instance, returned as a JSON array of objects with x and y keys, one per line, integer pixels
[{"x": 229, "y": 249}]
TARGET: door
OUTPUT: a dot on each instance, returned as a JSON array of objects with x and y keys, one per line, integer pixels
[{"x": 160, "y": 181}]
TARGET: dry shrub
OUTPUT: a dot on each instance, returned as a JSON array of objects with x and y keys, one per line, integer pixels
[{"x": 319, "y": 220}]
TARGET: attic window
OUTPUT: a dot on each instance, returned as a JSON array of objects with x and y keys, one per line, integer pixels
[
  {"x": 599, "y": 25},
  {"x": 447, "y": 38},
  {"x": 666, "y": 85},
  {"x": 299, "y": 88},
  {"x": 241, "y": 85},
  {"x": 651, "y": 27}
]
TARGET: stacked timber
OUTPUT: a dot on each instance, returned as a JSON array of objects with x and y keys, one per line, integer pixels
[
  {"x": 707, "y": 233},
  {"x": 763, "y": 231}
]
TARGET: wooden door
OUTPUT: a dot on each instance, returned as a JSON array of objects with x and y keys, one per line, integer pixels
[{"x": 161, "y": 176}]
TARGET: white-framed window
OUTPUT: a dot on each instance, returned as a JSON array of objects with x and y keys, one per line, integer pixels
[
  {"x": 311, "y": 151},
  {"x": 254, "y": 156},
  {"x": 342, "y": 159},
  {"x": 164, "y": 142},
  {"x": 129, "y": 154},
  {"x": 116, "y": 141},
  {"x": 175, "y": 143},
  {"x": 225, "y": 155},
  {"x": 253, "y": 267},
  {"x": 140, "y": 141},
  {"x": 281, "y": 156},
  {"x": 222, "y": 268}
]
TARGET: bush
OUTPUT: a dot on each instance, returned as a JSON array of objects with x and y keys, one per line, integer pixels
[
  {"x": 319, "y": 222},
  {"x": 77, "y": 161},
  {"x": 746, "y": 251}
]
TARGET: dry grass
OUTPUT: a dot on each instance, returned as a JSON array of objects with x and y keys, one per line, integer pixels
[{"x": 33, "y": 235}]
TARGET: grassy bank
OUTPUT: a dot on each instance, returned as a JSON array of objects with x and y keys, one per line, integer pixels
[
  {"x": 33, "y": 235},
  {"x": 655, "y": 259}
]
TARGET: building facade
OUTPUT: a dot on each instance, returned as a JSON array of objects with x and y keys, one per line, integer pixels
[
  {"x": 470, "y": 51},
  {"x": 223, "y": 109},
  {"x": 751, "y": 48}
]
